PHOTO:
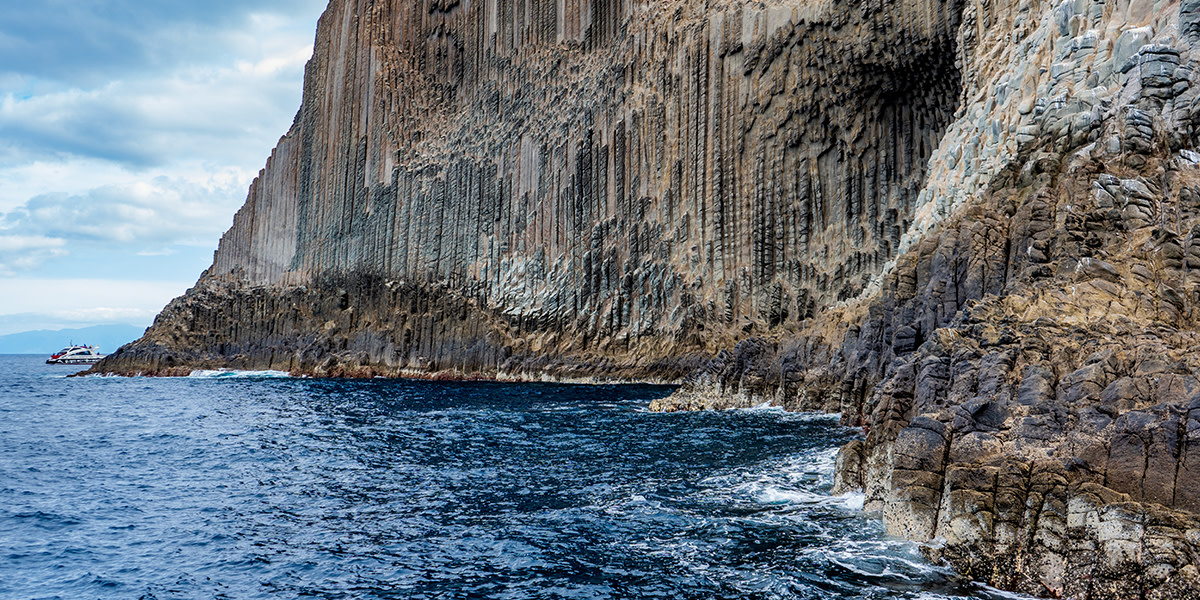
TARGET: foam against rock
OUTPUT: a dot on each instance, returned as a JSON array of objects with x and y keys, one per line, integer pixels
[{"x": 968, "y": 226}]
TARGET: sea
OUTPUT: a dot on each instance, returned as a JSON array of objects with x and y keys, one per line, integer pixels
[{"x": 259, "y": 485}]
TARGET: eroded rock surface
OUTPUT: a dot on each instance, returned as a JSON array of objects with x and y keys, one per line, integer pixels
[
  {"x": 971, "y": 227},
  {"x": 1027, "y": 373},
  {"x": 609, "y": 180}
]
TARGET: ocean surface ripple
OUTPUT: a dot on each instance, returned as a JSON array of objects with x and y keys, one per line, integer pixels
[{"x": 235, "y": 485}]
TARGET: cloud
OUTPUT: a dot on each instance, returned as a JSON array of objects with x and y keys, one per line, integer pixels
[
  {"x": 56, "y": 303},
  {"x": 79, "y": 176},
  {"x": 27, "y": 252},
  {"x": 198, "y": 112},
  {"x": 129, "y": 133},
  {"x": 18, "y": 243},
  {"x": 145, "y": 217},
  {"x": 85, "y": 43},
  {"x": 137, "y": 126},
  {"x": 161, "y": 211}
]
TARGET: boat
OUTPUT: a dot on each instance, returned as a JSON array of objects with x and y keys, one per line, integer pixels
[{"x": 75, "y": 355}]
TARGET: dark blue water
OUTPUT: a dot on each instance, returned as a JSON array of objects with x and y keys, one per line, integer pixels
[{"x": 238, "y": 486}]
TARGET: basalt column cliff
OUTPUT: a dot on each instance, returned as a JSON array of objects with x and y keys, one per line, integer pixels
[
  {"x": 970, "y": 226},
  {"x": 589, "y": 188}
]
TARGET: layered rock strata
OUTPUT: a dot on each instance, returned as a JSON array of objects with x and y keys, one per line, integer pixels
[{"x": 968, "y": 225}]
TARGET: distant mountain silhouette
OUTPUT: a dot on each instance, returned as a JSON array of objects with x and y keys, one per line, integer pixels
[{"x": 106, "y": 337}]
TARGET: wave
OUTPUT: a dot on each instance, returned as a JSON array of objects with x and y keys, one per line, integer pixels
[
  {"x": 770, "y": 494},
  {"x": 233, "y": 374},
  {"x": 768, "y": 407},
  {"x": 889, "y": 558},
  {"x": 800, "y": 480},
  {"x": 852, "y": 500},
  {"x": 764, "y": 407}
]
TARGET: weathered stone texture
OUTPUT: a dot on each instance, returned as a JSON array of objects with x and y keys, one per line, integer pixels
[
  {"x": 1027, "y": 371},
  {"x": 970, "y": 226},
  {"x": 618, "y": 175}
]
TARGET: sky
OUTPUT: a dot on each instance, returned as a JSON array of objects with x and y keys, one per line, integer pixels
[{"x": 130, "y": 131}]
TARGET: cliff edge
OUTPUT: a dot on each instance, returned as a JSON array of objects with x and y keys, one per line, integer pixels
[
  {"x": 557, "y": 187},
  {"x": 967, "y": 225}
]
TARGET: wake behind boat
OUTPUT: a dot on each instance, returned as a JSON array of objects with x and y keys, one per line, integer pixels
[{"x": 75, "y": 355}]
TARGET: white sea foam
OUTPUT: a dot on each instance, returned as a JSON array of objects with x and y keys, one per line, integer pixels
[
  {"x": 232, "y": 374},
  {"x": 852, "y": 500},
  {"x": 795, "y": 481},
  {"x": 774, "y": 495},
  {"x": 900, "y": 559},
  {"x": 816, "y": 416},
  {"x": 765, "y": 406},
  {"x": 791, "y": 416}
]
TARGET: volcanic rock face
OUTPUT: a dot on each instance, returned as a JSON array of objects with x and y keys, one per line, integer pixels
[
  {"x": 969, "y": 226},
  {"x": 1027, "y": 373},
  {"x": 608, "y": 180}
]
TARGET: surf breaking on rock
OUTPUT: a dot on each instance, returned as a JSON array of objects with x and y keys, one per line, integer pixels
[{"x": 967, "y": 226}]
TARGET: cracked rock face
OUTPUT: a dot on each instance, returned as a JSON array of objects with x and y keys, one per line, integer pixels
[
  {"x": 971, "y": 227},
  {"x": 1027, "y": 373},
  {"x": 605, "y": 182}
]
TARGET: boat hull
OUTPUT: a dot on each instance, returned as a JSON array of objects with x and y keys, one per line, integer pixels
[{"x": 89, "y": 360}]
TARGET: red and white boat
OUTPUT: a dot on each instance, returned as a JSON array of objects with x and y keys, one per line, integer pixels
[{"x": 75, "y": 355}]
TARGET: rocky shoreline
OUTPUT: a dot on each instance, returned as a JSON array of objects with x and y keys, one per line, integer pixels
[
  {"x": 1028, "y": 375},
  {"x": 971, "y": 228}
]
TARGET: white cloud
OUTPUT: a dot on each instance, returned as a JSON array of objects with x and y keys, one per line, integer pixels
[
  {"x": 27, "y": 252},
  {"x": 163, "y": 252},
  {"x": 81, "y": 43},
  {"x": 88, "y": 300},
  {"x": 230, "y": 114},
  {"x": 144, "y": 212},
  {"x": 129, "y": 134},
  {"x": 80, "y": 176},
  {"x": 107, "y": 314},
  {"x": 146, "y": 218},
  {"x": 200, "y": 85},
  {"x": 20, "y": 243}
]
